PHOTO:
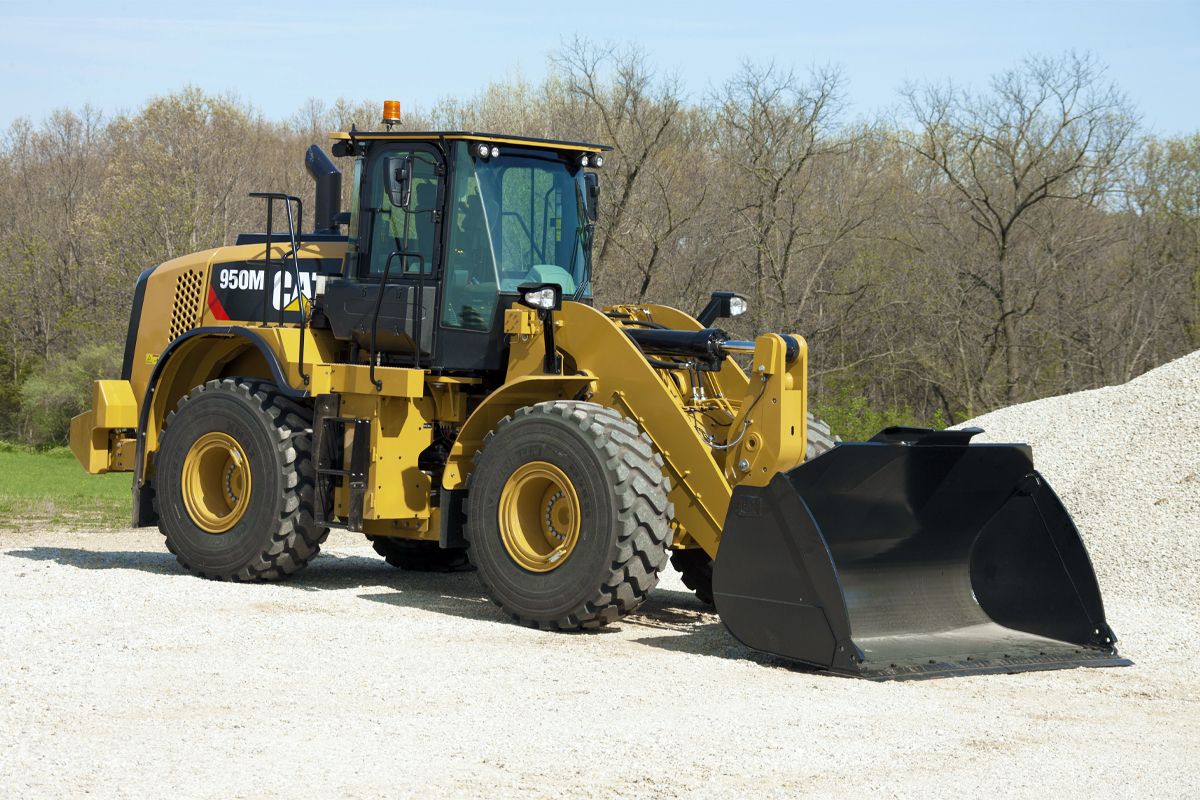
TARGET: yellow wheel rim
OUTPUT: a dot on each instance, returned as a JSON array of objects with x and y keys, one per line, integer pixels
[
  {"x": 539, "y": 516},
  {"x": 216, "y": 482}
]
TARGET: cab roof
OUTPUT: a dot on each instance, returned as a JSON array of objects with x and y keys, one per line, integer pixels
[{"x": 494, "y": 138}]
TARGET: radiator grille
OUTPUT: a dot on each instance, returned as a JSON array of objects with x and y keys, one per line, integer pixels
[{"x": 185, "y": 313}]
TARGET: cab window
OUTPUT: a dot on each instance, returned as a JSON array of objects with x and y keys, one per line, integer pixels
[
  {"x": 406, "y": 236},
  {"x": 470, "y": 293}
]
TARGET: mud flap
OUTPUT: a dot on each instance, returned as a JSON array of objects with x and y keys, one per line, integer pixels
[{"x": 916, "y": 554}]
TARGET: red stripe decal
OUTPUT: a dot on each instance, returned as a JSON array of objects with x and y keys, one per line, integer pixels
[{"x": 214, "y": 305}]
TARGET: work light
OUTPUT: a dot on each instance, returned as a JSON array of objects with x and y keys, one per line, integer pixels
[{"x": 547, "y": 297}]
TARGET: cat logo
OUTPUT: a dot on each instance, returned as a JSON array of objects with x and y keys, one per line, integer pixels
[{"x": 285, "y": 297}]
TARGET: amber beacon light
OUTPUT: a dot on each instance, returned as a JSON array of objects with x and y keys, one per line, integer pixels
[{"x": 391, "y": 112}]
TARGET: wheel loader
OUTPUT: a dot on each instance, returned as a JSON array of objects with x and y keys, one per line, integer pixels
[{"x": 429, "y": 368}]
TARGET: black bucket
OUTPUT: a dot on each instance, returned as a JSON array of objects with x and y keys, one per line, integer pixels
[{"x": 916, "y": 554}]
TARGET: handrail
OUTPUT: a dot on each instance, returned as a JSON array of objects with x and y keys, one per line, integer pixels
[{"x": 293, "y": 224}]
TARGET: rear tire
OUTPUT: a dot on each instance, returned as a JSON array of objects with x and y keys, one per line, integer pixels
[
  {"x": 568, "y": 516},
  {"x": 418, "y": 555},
  {"x": 696, "y": 571},
  {"x": 234, "y": 482},
  {"x": 694, "y": 566}
]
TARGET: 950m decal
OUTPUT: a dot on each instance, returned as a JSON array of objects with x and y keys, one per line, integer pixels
[{"x": 252, "y": 290}]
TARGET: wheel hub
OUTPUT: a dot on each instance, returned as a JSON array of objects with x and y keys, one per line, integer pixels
[
  {"x": 539, "y": 516},
  {"x": 216, "y": 482}
]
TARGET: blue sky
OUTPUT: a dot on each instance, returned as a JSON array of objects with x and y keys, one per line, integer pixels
[{"x": 115, "y": 54}]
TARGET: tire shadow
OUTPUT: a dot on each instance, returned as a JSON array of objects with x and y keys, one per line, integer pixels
[
  {"x": 327, "y": 571},
  {"x": 159, "y": 563}
]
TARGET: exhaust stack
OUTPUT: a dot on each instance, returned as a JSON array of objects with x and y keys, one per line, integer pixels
[{"x": 328, "y": 190}]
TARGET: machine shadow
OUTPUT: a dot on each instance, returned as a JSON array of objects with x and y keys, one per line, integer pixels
[
  {"x": 686, "y": 625},
  {"x": 672, "y": 620},
  {"x": 454, "y": 593},
  {"x": 693, "y": 627}
]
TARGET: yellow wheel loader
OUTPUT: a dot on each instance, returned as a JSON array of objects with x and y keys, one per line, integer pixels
[{"x": 429, "y": 369}]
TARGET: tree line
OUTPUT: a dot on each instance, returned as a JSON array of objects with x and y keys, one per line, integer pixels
[{"x": 969, "y": 249}]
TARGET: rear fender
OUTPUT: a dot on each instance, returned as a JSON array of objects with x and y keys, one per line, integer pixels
[{"x": 190, "y": 360}]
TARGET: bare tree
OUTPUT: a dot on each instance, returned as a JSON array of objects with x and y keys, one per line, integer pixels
[
  {"x": 639, "y": 115},
  {"x": 794, "y": 202},
  {"x": 1050, "y": 131}
]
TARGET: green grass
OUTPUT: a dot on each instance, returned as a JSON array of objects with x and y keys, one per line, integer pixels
[
  {"x": 48, "y": 487},
  {"x": 844, "y": 405}
]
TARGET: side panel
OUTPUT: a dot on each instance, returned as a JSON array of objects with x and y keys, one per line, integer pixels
[
  {"x": 249, "y": 290},
  {"x": 164, "y": 310},
  {"x": 225, "y": 286},
  {"x": 135, "y": 317},
  {"x": 397, "y": 489}
]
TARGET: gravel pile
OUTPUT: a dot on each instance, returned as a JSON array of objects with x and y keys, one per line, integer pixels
[
  {"x": 121, "y": 676},
  {"x": 1126, "y": 462}
]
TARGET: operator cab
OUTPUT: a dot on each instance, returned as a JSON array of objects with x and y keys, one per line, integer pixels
[{"x": 443, "y": 228}]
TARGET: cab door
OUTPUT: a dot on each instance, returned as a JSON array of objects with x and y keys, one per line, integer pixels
[{"x": 399, "y": 247}]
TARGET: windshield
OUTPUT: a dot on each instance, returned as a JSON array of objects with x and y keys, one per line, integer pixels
[{"x": 515, "y": 219}]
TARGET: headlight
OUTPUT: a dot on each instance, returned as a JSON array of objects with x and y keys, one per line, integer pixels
[
  {"x": 737, "y": 306},
  {"x": 542, "y": 298},
  {"x": 545, "y": 296}
]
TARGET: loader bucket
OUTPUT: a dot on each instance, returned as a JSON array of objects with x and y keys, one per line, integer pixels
[{"x": 916, "y": 554}]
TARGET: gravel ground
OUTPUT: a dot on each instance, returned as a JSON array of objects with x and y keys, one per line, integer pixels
[{"x": 122, "y": 676}]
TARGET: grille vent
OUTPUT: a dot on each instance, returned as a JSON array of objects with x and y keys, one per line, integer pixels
[{"x": 186, "y": 311}]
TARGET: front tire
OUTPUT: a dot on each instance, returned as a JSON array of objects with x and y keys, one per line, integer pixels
[
  {"x": 234, "y": 482},
  {"x": 568, "y": 516}
]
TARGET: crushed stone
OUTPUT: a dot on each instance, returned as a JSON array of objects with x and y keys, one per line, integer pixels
[{"x": 1126, "y": 462}]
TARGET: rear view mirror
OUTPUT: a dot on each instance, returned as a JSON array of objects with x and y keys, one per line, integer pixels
[
  {"x": 592, "y": 183},
  {"x": 398, "y": 171}
]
